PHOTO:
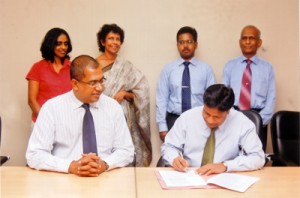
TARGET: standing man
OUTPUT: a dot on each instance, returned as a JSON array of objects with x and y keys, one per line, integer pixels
[
  {"x": 215, "y": 138},
  {"x": 252, "y": 79},
  {"x": 81, "y": 132},
  {"x": 182, "y": 82}
]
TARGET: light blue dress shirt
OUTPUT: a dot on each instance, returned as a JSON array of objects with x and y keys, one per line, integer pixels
[
  {"x": 190, "y": 132},
  {"x": 263, "y": 92},
  {"x": 168, "y": 93}
]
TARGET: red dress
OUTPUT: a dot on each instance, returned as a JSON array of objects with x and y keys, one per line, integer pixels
[{"x": 51, "y": 84}]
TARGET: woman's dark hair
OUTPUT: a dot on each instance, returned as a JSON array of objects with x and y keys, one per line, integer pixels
[
  {"x": 105, "y": 30},
  {"x": 50, "y": 42},
  {"x": 219, "y": 96},
  {"x": 187, "y": 29}
]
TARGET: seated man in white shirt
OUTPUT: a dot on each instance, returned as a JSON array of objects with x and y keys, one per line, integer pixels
[
  {"x": 237, "y": 146},
  {"x": 56, "y": 143}
]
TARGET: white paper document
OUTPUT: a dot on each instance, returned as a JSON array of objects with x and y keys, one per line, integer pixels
[
  {"x": 232, "y": 181},
  {"x": 178, "y": 179}
]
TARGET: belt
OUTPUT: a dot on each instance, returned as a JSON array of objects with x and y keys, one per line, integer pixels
[
  {"x": 254, "y": 109},
  {"x": 172, "y": 115}
]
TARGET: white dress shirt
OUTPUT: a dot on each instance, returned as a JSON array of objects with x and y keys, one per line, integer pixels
[
  {"x": 236, "y": 135},
  {"x": 56, "y": 139}
]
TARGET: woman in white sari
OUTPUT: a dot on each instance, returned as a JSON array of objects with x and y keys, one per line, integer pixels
[{"x": 129, "y": 87}]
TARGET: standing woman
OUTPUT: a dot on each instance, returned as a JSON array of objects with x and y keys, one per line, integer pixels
[
  {"x": 50, "y": 76},
  {"x": 127, "y": 85}
]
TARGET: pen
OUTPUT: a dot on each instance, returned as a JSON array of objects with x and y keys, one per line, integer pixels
[{"x": 186, "y": 168}]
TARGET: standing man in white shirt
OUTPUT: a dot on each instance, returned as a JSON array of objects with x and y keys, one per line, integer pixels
[
  {"x": 171, "y": 87},
  {"x": 235, "y": 147},
  {"x": 56, "y": 143},
  {"x": 261, "y": 96}
]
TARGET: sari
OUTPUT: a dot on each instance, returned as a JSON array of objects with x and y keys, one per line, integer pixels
[{"x": 122, "y": 75}]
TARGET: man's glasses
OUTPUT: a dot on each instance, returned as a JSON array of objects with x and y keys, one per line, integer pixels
[
  {"x": 93, "y": 83},
  {"x": 189, "y": 42}
]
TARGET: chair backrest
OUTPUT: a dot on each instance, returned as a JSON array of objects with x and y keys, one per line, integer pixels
[
  {"x": 285, "y": 136},
  {"x": 257, "y": 120}
]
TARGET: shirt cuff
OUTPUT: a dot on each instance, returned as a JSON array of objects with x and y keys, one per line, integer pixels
[{"x": 163, "y": 127}]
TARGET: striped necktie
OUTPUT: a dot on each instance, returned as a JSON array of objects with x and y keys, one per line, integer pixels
[{"x": 245, "y": 95}]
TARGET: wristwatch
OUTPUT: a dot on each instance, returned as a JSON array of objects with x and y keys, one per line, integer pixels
[
  {"x": 107, "y": 166},
  {"x": 225, "y": 164}
]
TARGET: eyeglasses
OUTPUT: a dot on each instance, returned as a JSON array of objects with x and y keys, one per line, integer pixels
[
  {"x": 93, "y": 83},
  {"x": 189, "y": 42}
]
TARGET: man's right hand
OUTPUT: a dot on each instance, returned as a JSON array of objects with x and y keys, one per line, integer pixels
[
  {"x": 90, "y": 165},
  {"x": 162, "y": 135},
  {"x": 180, "y": 164}
]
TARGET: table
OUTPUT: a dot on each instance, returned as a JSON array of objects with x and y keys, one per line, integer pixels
[
  {"x": 274, "y": 182},
  {"x": 137, "y": 182},
  {"x": 28, "y": 183}
]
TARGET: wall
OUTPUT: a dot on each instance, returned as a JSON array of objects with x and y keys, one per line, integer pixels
[{"x": 150, "y": 29}]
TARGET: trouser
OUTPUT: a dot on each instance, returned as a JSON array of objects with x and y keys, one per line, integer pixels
[{"x": 171, "y": 118}]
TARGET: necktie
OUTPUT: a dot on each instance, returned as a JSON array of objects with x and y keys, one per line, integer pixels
[
  {"x": 88, "y": 132},
  {"x": 186, "y": 88},
  {"x": 209, "y": 149},
  {"x": 245, "y": 95}
]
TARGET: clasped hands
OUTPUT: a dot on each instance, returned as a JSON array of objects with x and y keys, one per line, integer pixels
[
  {"x": 89, "y": 165},
  {"x": 182, "y": 165}
]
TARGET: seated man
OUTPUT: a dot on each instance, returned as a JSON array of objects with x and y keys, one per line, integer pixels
[
  {"x": 214, "y": 137},
  {"x": 85, "y": 140}
]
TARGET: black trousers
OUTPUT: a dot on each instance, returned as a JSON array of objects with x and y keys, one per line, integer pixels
[{"x": 171, "y": 118}]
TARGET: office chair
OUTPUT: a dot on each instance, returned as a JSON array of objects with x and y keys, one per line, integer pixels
[
  {"x": 252, "y": 115},
  {"x": 285, "y": 135},
  {"x": 3, "y": 159},
  {"x": 257, "y": 120}
]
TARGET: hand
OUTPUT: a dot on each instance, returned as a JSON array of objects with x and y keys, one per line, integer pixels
[
  {"x": 162, "y": 135},
  {"x": 180, "y": 164},
  {"x": 209, "y": 169},
  {"x": 120, "y": 96},
  {"x": 90, "y": 165}
]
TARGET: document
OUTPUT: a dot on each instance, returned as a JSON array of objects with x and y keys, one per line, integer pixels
[{"x": 171, "y": 179}]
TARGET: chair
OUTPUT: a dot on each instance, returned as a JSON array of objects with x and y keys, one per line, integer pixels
[
  {"x": 3, "y": 159},
  {"x": 257, "y": 120},
  {"x": 285, "y": 135}
]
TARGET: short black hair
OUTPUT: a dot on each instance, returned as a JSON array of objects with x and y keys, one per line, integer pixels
[
  {"x": 79, "y": 64},
  {"x": 219, "y": 96},
  {"x": 105, "y": 30},
  {"x": 187, "y": 29},
  {"x": 50, "y": 41}
]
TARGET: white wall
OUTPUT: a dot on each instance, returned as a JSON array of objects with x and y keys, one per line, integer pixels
[{"x": 150, "y": 31}]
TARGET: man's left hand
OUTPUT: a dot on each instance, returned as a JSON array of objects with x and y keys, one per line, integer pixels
[{"x": 209, "y": 169}]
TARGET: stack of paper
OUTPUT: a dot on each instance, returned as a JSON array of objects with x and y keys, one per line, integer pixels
[{"x": 171, "y": 179}]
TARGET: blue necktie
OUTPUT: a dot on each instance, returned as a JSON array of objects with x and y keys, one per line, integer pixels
[
  {"x": 88, "y": 132},
  {"x": 186, "y": 88}
]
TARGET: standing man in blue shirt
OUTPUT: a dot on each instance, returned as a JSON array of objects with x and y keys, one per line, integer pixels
[
  {"x": 262, "y": 83},
  {"x": 172, "y": 88}
]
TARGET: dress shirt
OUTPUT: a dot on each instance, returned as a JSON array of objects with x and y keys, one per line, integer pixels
[
  {"x": 168, "y": 93},
  {"x": 56, "y": 139},
  {"x": 263, "y": 91},
  {"x": 190, "y": 132}
]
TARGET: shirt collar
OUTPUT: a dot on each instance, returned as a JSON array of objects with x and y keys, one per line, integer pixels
[
  {"x": 77, "y": 103},
  {"x": 192, "y": 61},
  {"x": 254, "y": 59}
]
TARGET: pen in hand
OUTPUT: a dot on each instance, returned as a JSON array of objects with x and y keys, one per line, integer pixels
[{"x": 185, "y": 164}]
